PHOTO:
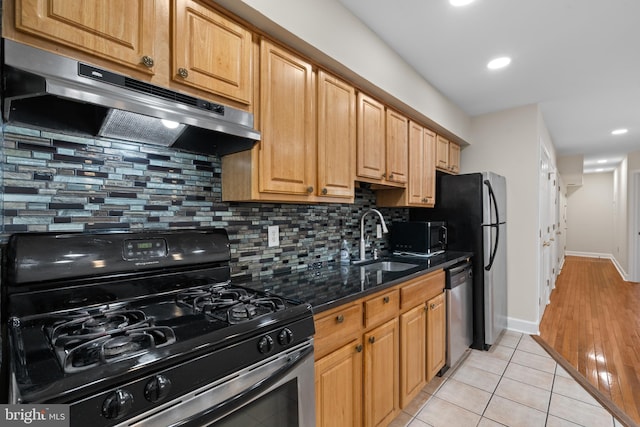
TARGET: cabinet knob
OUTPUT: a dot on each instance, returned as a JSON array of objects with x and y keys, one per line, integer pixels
[
  {"x": 390, "y": 176},
  {"x": 384, "y": 175},
  {"x": 325, "y": 191},
  {"x": 147, "y": 61},
  {"x": 432, "y": 306},
  {"x": 340, "y": 318},
  {"x": 359, "y": 348},
  {"x": 310, "y": 189},
  {"x": 372, "y": 339},
  {"x": 182, "y": 72},
  {"x": 385, "y": 300}
]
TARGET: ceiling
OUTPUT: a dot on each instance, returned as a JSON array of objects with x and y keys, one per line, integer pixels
[{"x": 578, "y": 59}]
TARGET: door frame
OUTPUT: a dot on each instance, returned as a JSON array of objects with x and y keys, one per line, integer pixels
[{"x": 634, "y": 227}]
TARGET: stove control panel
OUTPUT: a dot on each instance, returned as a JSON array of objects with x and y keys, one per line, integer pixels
[{"x": 141, "y": 249}]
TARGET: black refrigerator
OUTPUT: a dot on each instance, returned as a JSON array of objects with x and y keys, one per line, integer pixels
[{"x": 475, "y": 208}]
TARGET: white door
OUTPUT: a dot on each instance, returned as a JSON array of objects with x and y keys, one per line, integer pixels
[{"x": 545, "y": 230}]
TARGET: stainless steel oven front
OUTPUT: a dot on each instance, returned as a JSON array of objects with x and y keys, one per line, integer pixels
[{"x": 277, "y": 392}]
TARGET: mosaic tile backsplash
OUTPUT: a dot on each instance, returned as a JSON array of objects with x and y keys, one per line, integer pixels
[{"x": 57, "y": 182}]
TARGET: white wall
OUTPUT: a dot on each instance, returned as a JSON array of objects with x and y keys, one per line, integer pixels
[
  {"x": 328, "y": 33},
  {"x": 590, "y": 213},
  {"x": 507, "y": 143}
]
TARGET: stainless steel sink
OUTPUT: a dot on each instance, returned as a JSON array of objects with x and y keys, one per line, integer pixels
[{"x": 389, "y": 266}]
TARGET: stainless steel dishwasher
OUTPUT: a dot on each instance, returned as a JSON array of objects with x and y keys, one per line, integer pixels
[{"x": 459, "y": 311}]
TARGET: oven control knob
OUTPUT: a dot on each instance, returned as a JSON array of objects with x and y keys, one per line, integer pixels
[
  {"x": 157, "y": 388},
  {"x": 285, "y": 337},
  {"x": 117, "y": 404},
  {"x": 265, "y": 345}
]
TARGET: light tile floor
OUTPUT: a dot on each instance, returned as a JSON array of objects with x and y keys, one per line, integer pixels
[{"x": 516, "y": 383}]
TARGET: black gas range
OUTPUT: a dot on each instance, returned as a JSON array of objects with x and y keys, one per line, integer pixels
[{"x": 147, "y": 329}]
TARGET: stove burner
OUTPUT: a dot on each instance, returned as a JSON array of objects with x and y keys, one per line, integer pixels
[
  {"x": 116, "y": 347},
  {"x": 103, "y": 324},
  {"x": 242, "y": 311},
  {"x": 229, "y": 304},
  {"x": 119, "y": 345},
  {"x": 91, "y": 338}
]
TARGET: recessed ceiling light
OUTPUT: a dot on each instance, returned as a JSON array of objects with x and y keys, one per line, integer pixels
[
  {"x": 458, "y": 3},
  {"x": 602, "y": 161},
  {"x": 619, "y": 131},
  {"x": 497, "y": 63},
  {"x": 599, "y": 170}
]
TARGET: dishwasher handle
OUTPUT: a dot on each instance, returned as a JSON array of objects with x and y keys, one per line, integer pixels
[{"x": 458, "y": 268}]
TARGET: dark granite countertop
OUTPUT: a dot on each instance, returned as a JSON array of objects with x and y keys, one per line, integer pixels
[{"x": 335, "y": 284}]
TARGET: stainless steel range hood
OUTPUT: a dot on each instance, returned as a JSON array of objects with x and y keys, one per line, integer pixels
[{"x": 50, "y": 91}]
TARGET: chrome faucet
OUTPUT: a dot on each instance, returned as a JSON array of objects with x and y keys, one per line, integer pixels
[{"x": 362, "y": 240}]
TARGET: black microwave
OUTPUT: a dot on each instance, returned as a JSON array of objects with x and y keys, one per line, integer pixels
[{"x": 419, "y": 237}]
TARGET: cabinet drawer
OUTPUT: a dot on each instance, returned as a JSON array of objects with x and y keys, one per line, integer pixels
[
  {"x": 421, "y": 289},
  {"x": 382, "y": 307},
  {"x": 336, "y": 327}
]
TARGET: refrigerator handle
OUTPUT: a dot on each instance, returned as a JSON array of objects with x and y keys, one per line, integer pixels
[{"x": 496, "y": 225}]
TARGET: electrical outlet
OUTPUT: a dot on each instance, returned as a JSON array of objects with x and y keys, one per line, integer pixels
[
  {"x": 378, "y": 231},
  {"x": 274, "y": 235}
]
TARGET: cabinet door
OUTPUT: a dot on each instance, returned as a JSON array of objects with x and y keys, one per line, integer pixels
[
  {"x": 336, "y": 137},
  {"x": 442, "y": 153},
  {"x": 429, "y": 168},
  {"x": 381, "y": 374},
  {"x": 371, "y": 138},
  {"x": 454, "y": 157},
  {"x": 211, "y": 52},
  {"x": 413, "y": 357},
  {"x": 416, "y": 168},
  {"x": 287, "y": 155},
  {"x": 397, "y": 147},
  {"x": 121, "y": 31},
  {"x": 436, "y": 335},
  {"x": 338, "y": 386}
]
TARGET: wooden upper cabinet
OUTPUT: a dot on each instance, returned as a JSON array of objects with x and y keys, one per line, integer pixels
[
  {"x": 184, "y": 45},
  {"x": 397, "y": 147},
  {"x": 447, "y": 155},
  {"x": 422, "y": 168},
  {"x": 336, "y": 137},
  {"x": 442, "y": 153},
  {"x": 421, "y": 179},
  {"x": 454, "y": 157},
  {"x": 371, "y": 139},
  {"x": 211, "y": 52},
  {"x": 287, "y": 151},
  {"x": 122, "y": 31}
]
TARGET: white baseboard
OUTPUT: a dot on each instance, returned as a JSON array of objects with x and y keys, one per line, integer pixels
[
  {"x": 613, "y": 259},
  {"x": 523, "y": 326}
]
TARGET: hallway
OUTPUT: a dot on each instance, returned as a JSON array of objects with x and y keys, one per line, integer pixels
[{"x": 593, "y": 321}]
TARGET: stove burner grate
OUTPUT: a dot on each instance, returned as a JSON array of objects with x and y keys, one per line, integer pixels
[
  {"x": 115, "y": 347},
  {"x": 229, "y": 304}
]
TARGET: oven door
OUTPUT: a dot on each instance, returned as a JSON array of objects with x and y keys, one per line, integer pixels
[{"x": 277, "y": 392}]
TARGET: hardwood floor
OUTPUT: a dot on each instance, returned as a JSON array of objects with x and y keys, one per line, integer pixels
[{"x": 593, "y": 321}]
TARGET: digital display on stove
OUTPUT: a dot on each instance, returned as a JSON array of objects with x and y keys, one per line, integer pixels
[{"x": 144, "y": 249}]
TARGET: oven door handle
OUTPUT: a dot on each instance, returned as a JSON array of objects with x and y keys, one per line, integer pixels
[{"x": 240, "y": 399}]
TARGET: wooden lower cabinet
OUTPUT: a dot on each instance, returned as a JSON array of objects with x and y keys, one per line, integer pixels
[
  {"x": 375, "y": 354},
  {"x": 338, "y": 379},
  {"x": 381, "y": 374},
  {"x": 413, "y": 356},
  {"x": 436, "y": 335}
]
